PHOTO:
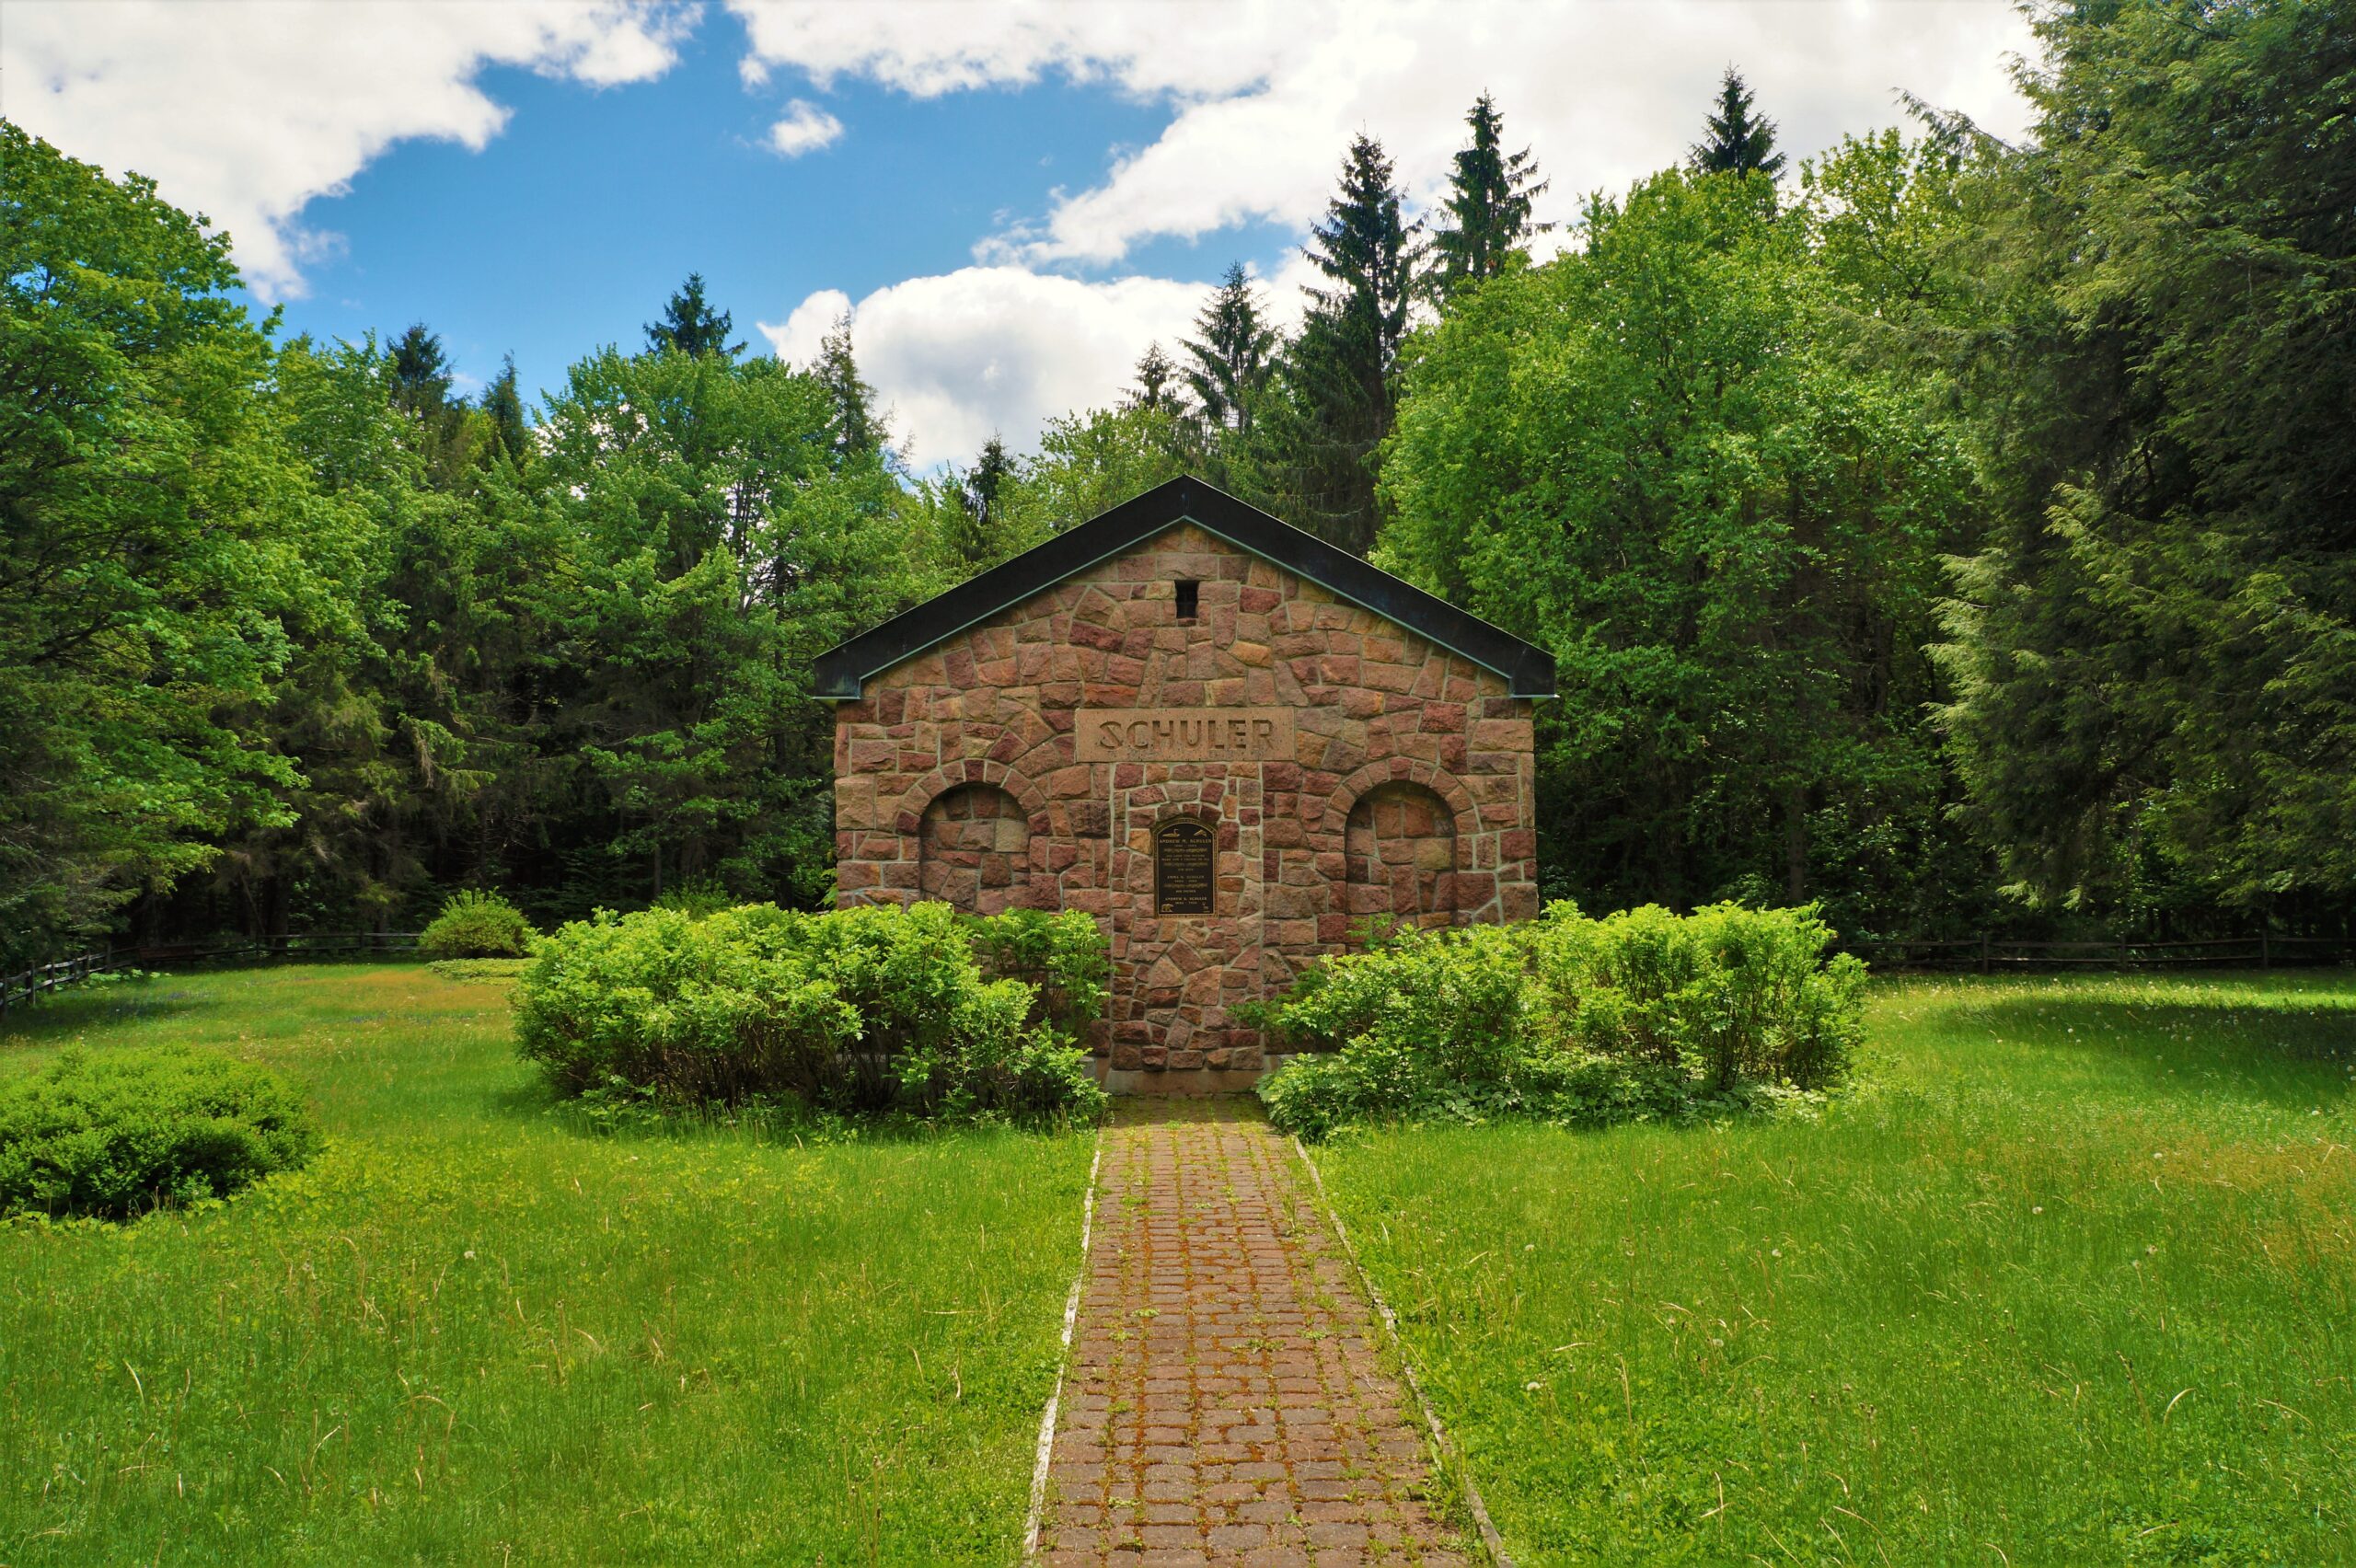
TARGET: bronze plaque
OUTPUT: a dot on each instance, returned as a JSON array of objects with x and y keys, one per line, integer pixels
[
  {"x": 1184, "y": 865},
  {"x": 1182, "y": 734}
]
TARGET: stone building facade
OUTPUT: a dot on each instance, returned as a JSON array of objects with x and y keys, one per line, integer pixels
[{"x": 1218, "y": 735}]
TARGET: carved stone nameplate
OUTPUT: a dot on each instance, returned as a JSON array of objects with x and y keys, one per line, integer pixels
[
  {"x": 1182, "y": 869},
  {"x": 1183, "y": 734}
]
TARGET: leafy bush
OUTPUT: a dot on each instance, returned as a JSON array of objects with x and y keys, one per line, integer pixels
[
  {"x": 117, "y": 1135},
  {"x": 866, "y": 1009},
  {"x": 1637, "y": 1015},
  {"x": 475, "y": 923}
]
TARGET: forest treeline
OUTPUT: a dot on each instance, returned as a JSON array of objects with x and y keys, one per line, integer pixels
[{"x": 1962, "y": 535}]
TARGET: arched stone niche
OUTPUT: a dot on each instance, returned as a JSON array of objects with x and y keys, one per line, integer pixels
[
  {"x": 1399, "y": 848},
  {"x": 974, "y": 849}
]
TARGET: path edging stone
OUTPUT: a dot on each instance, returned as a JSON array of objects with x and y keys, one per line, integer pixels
[
  {"x": 1063, "y": 1362},
  {"x": 1450, "y": 1453}
]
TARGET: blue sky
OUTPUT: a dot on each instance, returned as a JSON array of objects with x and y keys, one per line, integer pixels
[{"x": 1010, "y": 199}]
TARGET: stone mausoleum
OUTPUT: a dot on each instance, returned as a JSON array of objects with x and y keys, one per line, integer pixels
[{"x": 1222, "y": 737}]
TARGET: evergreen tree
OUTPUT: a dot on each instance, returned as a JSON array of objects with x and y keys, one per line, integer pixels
[
  {"x": 1231, "y": 356},
  {"x": 1155, "y": 376},
  {"x": 1736, "y": 141},
  {"x": 1490, "y": 191},
  {"x": 857, "y": 430},
  {"x": 421, "y": 373},
  {"x": 976, "y": 528},
  {"x": 1339, "y": 390},
  {"x": 504, "y": 404},
  {"x": 691, "y": 325}
]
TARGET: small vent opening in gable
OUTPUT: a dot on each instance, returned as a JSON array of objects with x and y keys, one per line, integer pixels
[{"x": 1189, "y": 600}]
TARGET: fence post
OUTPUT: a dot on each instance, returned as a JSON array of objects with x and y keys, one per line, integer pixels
[
  {"x": 1983, "y": 952},
  {"x": 2265, "y": 948}
]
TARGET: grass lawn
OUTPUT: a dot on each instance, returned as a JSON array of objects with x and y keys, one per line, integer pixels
[
  {"x": 471, "y": 1332},
  {"x": 2073, "y": 1281}
]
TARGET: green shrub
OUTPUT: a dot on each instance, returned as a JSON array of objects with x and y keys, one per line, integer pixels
[
  {"x": 475, "y": 923},
  {"x": 117, "y": 1135},
  {"x": 867, "y": 1009},
  {"x": 1640, "y": 1014}
]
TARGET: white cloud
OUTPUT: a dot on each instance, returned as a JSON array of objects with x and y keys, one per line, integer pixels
[
  {"x": 987, "y": 350},
  {"x": 1268, "y": 96},
  {"x": 247, "y": 112},
  {"x": 805, "y": 129}
]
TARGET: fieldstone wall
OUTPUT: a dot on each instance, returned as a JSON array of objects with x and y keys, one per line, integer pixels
[{"x": 1400, "y": 782}]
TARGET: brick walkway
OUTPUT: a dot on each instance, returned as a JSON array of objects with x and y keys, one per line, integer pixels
[{"x": 1224, "y": 1403}]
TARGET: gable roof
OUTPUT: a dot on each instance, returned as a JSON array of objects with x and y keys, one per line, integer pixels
[{"x": 1528, "y": 668}]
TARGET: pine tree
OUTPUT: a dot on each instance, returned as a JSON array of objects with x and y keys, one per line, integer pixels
[
  {"x": 857, "y": 430},
  {"x": 1488, "y": 205},
  {"x": 691, "y": 325},
  {"x": 1339, "y": 392},
  {"x": 1737, "y": 142},
  {"x": 1154, "y": 389},
  {"x": 504, "y": 404},
  {"x": 1231, "y": 357}
]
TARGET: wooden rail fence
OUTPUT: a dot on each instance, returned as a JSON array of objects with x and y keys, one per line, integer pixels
[
  {"x": 22, "y": 989},
  {"x": 1988, "y": 955}
]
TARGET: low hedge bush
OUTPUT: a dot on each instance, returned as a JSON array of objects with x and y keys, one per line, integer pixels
[
  {"x": 1636, "y": 1015},
  {"x": 475, "y": 923},
  {"x": 118, "y": 1134},
  {"x": 871, "y": 1009}
]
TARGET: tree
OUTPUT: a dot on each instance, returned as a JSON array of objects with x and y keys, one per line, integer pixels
[
  {"x": 1155, "y": 388},
  {"x": 1230, "y": 355},
  {"x": 856, "y": 431},
  {"x": 1338, "y": 375},
  {"x": 420, "y": 373},
  {"x": 690, "y": 326},
  {"x": 977, "y": 512},
  {"x": 1490, "y": 192},
  {"x": 504, "y": 404},
  {"x": 159, "y": 533},
  {"x": 1735, "y": 141},
  {"x": 2155, "y": 651},
  {"x": 1658, "y": 458}
]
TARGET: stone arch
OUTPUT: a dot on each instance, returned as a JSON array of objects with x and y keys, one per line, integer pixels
[
  {"x": 1405, "y": 830},
  {"x": 908, "y": 820},
  {"x": 974, "y": 849},
  {"x": 1401, "y": 845},
  {"x": 1016, "y": 813}
]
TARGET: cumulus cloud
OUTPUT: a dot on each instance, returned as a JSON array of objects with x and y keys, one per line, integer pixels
[
  {"x": 245, "y": 112},
  {"x": 805, "y": 129},
  {"x": 985, "y": 350},
  {"x": 1268, "y": 96}
]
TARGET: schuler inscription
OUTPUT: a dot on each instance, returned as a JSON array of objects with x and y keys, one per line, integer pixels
[
  {"x": 1183, "y": 734},
  {"x": 1182, "y": 868}
]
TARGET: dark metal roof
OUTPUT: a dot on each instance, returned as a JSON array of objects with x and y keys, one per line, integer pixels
[{"x": 841, "y": 669}]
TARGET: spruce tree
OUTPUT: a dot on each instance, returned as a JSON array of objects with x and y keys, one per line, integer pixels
[
  {"x": 1738, "y": 141},
  {"x": 1231, "y": 356},
  {"x": 857, "y": 430},
  {"x": 1339, "y": 388},
  {"x": 1490, "y": 191},
  {"x": 691, "y": 325},
  {"x": 1155, "y": 376},
  {"x": 504, "y": 404},
  {"x": 421, "y": 373}
]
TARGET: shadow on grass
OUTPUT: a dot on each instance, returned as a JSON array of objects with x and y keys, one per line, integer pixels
[
  {"x": 57, "y": 1018},
  {"x": 2285, "y": 1049}
]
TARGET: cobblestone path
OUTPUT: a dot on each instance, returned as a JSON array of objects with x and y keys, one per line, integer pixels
[{"x": 1224, "y": 1403}]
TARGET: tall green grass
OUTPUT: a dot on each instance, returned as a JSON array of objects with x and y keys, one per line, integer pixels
[
  {"x": 2072, "y": 1279},
  {"x": 472, "y": 1333}
]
